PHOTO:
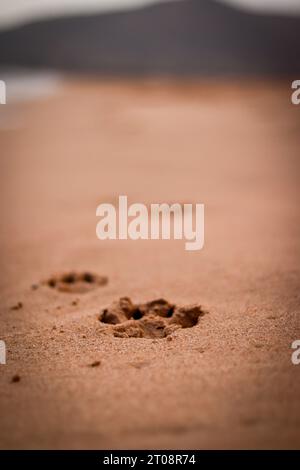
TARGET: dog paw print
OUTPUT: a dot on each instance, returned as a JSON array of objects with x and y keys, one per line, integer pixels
[
  {"x": 76, "y": 282},
  {"x": 154, "y": 319}
]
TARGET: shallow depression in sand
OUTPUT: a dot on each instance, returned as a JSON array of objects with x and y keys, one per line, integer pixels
[
  {"x": 154, "y": 319},
  {"x": 76, "y": 282}
]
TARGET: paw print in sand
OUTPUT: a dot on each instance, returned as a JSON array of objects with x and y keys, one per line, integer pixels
[
  {"x": 154, "y": 319},
  {"x": 76, "y": 282}
]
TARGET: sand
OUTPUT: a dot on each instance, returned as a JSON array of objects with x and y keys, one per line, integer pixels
[{"x": 226, "y": 382}]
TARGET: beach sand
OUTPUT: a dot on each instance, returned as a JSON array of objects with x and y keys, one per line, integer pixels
[{"x": 228, "y": 381}]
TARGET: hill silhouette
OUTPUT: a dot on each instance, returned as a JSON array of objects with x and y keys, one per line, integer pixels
[{"x": 188, "y": 37}]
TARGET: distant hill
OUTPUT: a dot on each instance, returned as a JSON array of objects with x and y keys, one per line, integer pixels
[{"x": 189, "y": 37}]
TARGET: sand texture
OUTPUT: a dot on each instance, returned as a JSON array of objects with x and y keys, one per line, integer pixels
[{"x": 151, "y": 374}]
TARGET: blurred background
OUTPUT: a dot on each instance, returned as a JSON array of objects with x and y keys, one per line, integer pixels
[
  {"x": 145, "y": 38},
  {"x": 177, "y": 101},
  {"x": 183, "y": 38}
]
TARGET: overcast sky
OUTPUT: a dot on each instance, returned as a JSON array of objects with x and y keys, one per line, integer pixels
[{"x": 14, "y": 11}]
